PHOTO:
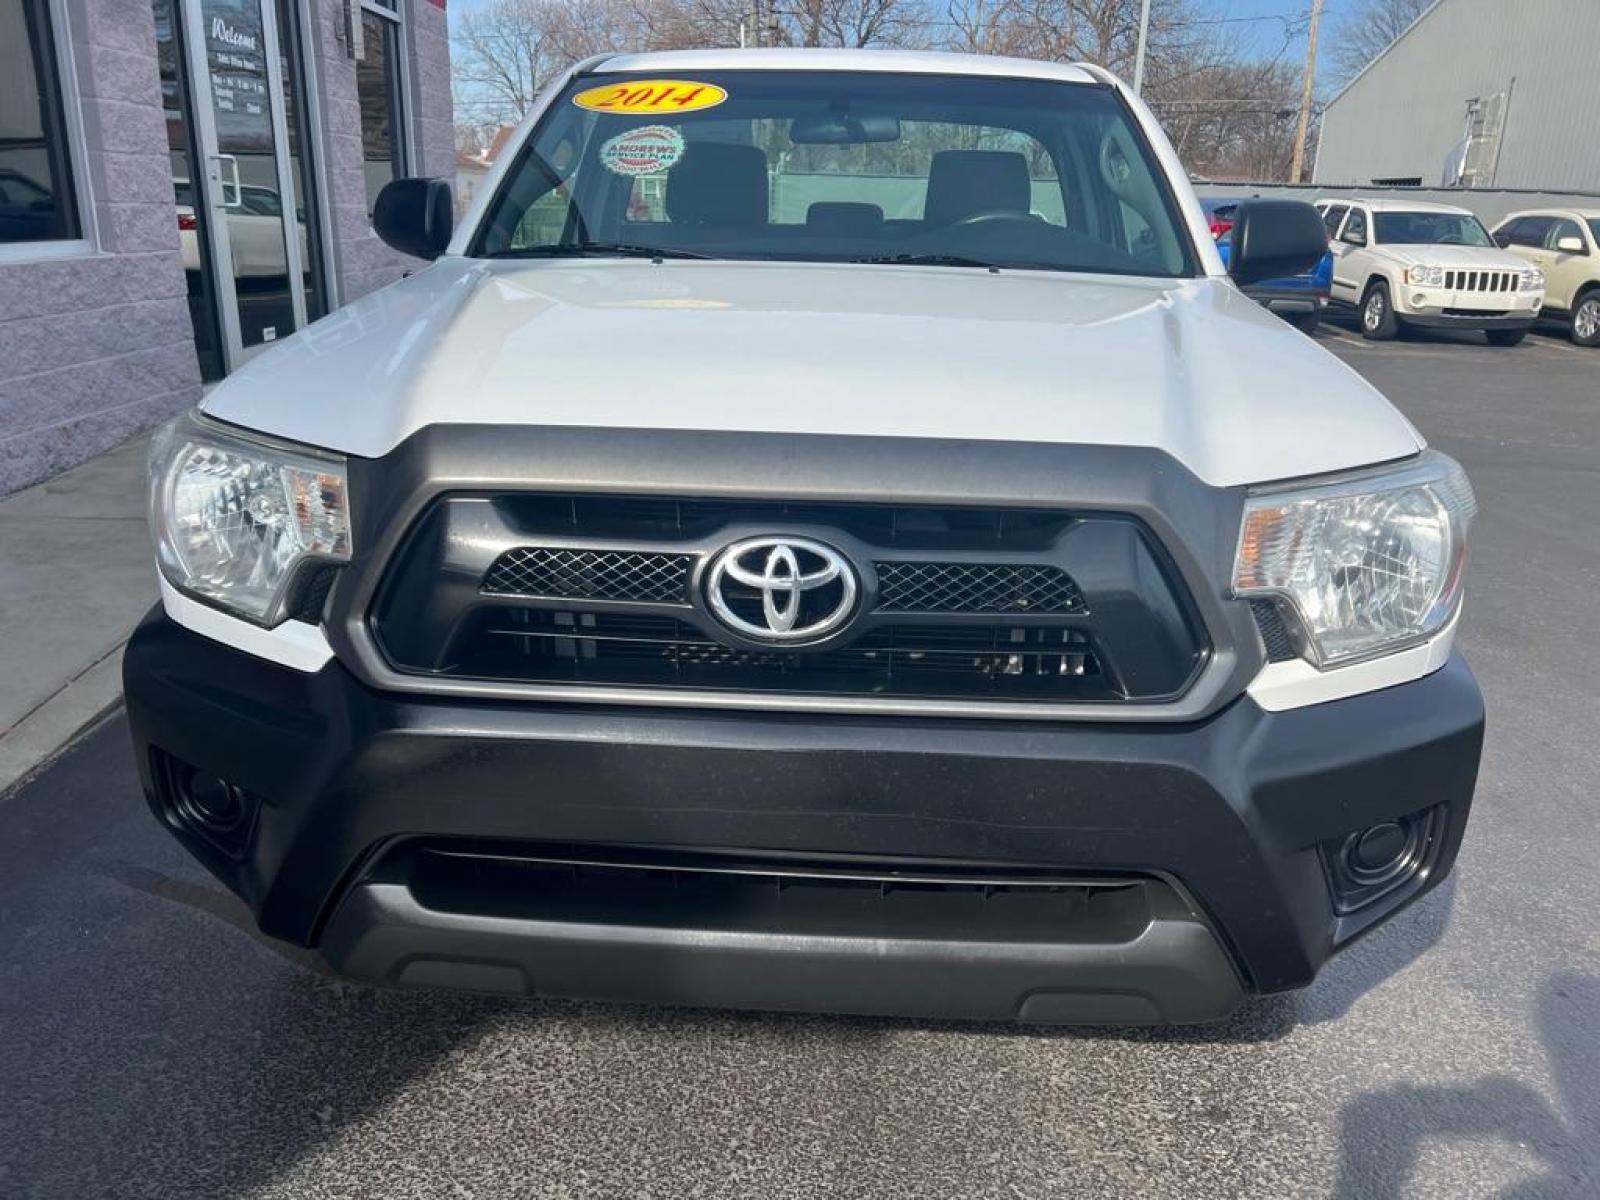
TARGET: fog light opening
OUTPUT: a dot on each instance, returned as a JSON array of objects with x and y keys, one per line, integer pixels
[
  {"x": 213, "y": 804},
  {"x": 205, "y": 804},
  {"x": 1370, "y": 863}
]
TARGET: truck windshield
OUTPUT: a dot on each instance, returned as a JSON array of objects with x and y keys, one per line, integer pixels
[
  {"x": 835, "y": 166},
  {"x": 1430, "y": 229}
]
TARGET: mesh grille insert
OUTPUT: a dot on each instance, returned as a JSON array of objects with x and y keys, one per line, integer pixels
[
  {"x": 591, "y": 575},
  {"x": 1275, "y": 635},
  {"x": 947, "y": 587}
]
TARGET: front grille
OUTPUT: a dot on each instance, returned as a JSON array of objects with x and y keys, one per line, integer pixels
[
  {"x": 954, "y": 602},
  {"x": 1475, "y": 312},
  {"x": 993, "y": 661},
  {"x": 1482, "y": 281},
  {"x": 976, "y": 588},
  {"x": 590, "y": 575}
]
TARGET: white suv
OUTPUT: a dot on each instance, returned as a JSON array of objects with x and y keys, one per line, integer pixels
[
  {"x": 1407, "y": 263},
  {"x": 1564, "y": 243}
]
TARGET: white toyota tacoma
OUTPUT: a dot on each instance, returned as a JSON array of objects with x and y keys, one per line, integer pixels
[{"x": 824, "y": 533}]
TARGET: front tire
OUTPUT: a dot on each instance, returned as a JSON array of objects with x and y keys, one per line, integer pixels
[
  {"x": 1504, "y": 337},
  {"x": 1586, "y": 319},
  {"x": 1378, "y": 322}
]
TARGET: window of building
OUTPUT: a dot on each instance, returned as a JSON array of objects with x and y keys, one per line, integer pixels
[
  {"x": 36, "y": 197},
  {"x": 381, "y": 93}
]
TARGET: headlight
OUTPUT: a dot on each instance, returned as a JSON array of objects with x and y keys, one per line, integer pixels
[
  {"x": 234, "y": 519},
  {"x": 1425, "y": 276},
  {"x": 1532, "y": 280},
  {"x": 1367, "y": 565}
]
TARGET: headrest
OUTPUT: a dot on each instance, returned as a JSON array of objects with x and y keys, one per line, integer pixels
[
  {"x": 963, "y": 182},
  {"x": 843, "y": 218},
  {"x": 718, "y": 183}
]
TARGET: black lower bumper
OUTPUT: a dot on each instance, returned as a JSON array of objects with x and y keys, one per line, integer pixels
[
  {"x": 964, "y": 868},
  {"x": 1522, "y": 320}
]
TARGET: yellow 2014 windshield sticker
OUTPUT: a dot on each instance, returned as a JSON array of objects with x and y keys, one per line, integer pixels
[{"x": 651, "y": 96}]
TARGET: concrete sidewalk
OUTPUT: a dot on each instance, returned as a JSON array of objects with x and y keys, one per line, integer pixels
[{"x": 75, "y": 577}]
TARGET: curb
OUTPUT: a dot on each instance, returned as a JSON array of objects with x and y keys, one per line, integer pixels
[{"x": 49, "y": 729}]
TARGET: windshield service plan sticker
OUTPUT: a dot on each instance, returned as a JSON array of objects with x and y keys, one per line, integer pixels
[
  {"x": 651, "y": 96},
  {"x": 646, "y": 151}
]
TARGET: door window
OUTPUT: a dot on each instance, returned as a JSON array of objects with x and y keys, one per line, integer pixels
[
  {"x": 1332, "y": 216},
  {"x": 1531, "y": 231},
  {"x": 1506, "y": 234},
  {"x": 1355, "y": 229},
  {"x": 1562, "y": 229}
]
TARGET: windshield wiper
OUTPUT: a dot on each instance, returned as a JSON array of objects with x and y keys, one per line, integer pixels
[
  {"x": 580, "y": 249},
  {"x": 929, "y": 260}
]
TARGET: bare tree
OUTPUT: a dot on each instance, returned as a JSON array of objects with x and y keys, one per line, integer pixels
[
  {"x": 1228, "y": 116},
  {"x": 505, "y": 52},
  {"x": 1367, "y": 29},
  {"x": 847, "y": 23}
]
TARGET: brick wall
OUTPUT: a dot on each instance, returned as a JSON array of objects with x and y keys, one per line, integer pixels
[{"x": 97, "y": 348}]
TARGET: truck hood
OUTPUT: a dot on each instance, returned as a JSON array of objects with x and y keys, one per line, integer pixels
[
  {"x": 1470, "y": 258},
  {"x": 1187, "y": 366}
]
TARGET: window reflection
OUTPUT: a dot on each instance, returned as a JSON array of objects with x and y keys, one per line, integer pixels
[{"x": 36, "y": 201}]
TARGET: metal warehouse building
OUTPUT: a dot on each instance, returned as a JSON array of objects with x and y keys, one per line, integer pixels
[{"x": 1477, "y": 93}]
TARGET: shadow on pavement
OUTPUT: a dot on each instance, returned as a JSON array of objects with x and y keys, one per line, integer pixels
[
  {"x": 1382, "y": 954},
  {"x": 1381, "y": 1134}
]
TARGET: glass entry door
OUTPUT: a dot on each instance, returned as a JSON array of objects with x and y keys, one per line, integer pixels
[{"x": 256, "y": 227}]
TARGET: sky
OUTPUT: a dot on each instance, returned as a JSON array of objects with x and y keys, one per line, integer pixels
[{"x": 1267, "y": 27}]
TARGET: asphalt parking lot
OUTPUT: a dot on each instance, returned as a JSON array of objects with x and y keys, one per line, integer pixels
[{"x": 152, "y": 1046}]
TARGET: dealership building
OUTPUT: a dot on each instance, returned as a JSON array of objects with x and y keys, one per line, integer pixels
[
  {"x": 182, "y": 183},
  {"x": 1475, "y": 94}
]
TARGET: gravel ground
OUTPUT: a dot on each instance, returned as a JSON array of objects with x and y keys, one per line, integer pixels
[{"x": 151, "y": 1046}]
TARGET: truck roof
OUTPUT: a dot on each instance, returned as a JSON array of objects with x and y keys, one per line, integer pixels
[{"x": 912, "y": 62}]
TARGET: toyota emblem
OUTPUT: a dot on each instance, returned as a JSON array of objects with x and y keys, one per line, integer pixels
[{"x": 782, "y": 589}]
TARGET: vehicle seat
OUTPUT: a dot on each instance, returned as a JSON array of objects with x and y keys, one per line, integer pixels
[
  {"x": 963, "y": 182},
  {"x": 844, "y": 218},
  {"x": 718, "y": 183}
]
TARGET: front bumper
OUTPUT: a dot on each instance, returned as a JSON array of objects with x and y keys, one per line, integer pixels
[
  {"x": 1427, "y": 320},
  {"x": 1191, "y": 851}
]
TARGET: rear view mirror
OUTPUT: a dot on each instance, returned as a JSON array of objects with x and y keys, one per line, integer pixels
[
  {"x": 1570, "y": 245},
  {"x": 415, "y": 216},
  {"x": 844, "y": 129},
  {"x": 1273, "y": 239}
]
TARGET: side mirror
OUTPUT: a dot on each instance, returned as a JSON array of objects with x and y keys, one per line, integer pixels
[
  {"x": 1570, "y": 245},
  {"x": 415, "y": 216},
  {"x": 1273, "y": 239}
]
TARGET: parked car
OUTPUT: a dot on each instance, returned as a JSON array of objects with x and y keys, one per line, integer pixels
[
  {"x": 1298, "y": 299},
  {"x": 1564, "y": 244},
  {"x": 980, "y": 615},
  {"x": 1219, "y": 215},
  {"x": 255, "y": 233},
  {"x": 1402, "y": 263}
]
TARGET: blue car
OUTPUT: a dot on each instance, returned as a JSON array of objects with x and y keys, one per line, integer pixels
[{"x": 1299, "y": 299}]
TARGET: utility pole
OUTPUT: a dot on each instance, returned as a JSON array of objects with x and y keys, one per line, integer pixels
[
  {"x": 1138, "y": 59},
  {"x": 1298, "y": 165}
]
